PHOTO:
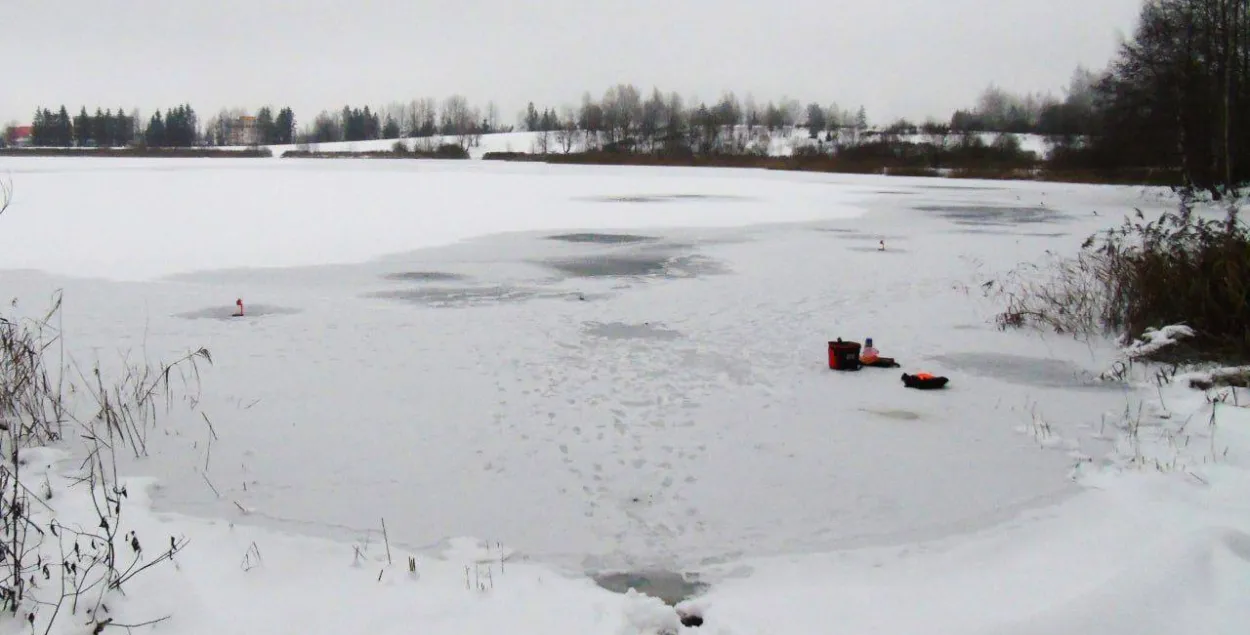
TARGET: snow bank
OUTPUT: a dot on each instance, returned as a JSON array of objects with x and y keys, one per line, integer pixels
[
  {"x": 1159, "y": 543},
  {"x": 236, "y": 579}
]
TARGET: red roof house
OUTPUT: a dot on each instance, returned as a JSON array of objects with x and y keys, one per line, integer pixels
[{"x": 19, "y": 135}]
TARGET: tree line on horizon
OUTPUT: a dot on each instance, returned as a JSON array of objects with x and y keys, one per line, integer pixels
[
  {"x": 1176, "y": 95},
  {"x": 104, "y": 128},
  {"x": 177, "y": 127}
]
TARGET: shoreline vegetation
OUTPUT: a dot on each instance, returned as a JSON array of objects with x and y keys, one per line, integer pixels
[
  {"x": 1029, "y": 170},
  {"x": 880, "y": 158}
]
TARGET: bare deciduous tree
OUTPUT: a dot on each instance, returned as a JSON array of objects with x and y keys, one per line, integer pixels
[
  {"x": 566, "y": 135},
  {"x": 675, "y": 115},
  {"x": 791, "y": 111},
  {"x": 422, "y": 116},
  {"x": 752, "y": 114},
  {"x": 1176, "y": 94},
  {"x": 461, "y": 121},
  {"x": 622, "y": 108},
  {"x": 591, "y": 121},
  {"x": 492, "y": 116}
]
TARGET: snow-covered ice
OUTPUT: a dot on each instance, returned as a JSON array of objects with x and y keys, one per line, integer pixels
[
  {"x": 624, "y": 369},
  {"x": 280, "y": 213}
]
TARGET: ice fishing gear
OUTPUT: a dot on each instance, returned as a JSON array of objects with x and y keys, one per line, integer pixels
[{"x": 924, "y": 381}]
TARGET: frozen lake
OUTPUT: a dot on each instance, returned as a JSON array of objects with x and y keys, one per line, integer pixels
[{"x": 603, "y": 368}]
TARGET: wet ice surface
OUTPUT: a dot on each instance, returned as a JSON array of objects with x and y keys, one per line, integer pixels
[
  {"x": 227, "y": 312},
  {"x": 1009, "y": 232},
  {"x": 994, "y": 214},
  {"x": 661, "y": 264},
  {"x": 645, "y": 421},
  {"x": 425, "y": 276},
  {"x": 1027, "y": 371},
  {"x": 621, "y": 330},
  {"x": 461, "y": 296},
  {"x": 851, "y": 234},
  {"x": 663, "y": 198},
  {"x": 602, "y": 239},
  {"x": 612, "y": 266},
  {"x": 900, "y": 415}
]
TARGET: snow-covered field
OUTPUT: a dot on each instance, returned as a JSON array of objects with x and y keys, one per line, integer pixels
[{"x": 534, "y": 374}]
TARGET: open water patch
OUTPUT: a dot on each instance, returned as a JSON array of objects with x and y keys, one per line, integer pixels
[
  {"x": 602, "y": 239},
  {"x": 670, "y": 587},
  {"x": 457, "y": 297},
  {"x": 1026, "y": 371},
  {"x": 227, "y": 312}
]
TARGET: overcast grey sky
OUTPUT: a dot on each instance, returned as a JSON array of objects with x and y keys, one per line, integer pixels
[{"x": 912, "y": 58}]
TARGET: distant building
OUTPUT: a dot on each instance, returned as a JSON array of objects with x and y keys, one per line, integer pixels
[
  {"x": 244, "y": 132},
  {"x": 19, "y": 136}
]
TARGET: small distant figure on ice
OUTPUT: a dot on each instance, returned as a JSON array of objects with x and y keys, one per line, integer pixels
[
  {"x": 238, "y": 313},
  {"x": 881, "y": 246}
]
